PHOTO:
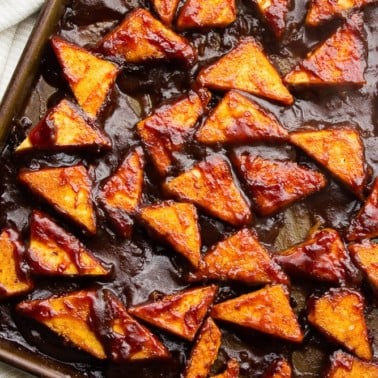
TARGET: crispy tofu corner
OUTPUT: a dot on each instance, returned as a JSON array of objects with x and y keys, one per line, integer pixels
[
  {"x": 166, "y": 9},
  {"x": 274, "y": 12}
]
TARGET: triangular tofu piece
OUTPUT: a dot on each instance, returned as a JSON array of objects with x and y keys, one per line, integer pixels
[
  {"x": 279, "y": 369},
  {"x": 240, "y": 257},
  {"x": 211, "y": 185},
  {"x": 340, "y": 150},
  {"x": 13, "y": 280},
  {"x": 339, "y": 60},
  {"x": 176, "y": 224},
  {"x": 267, "y": 310},
  {"x": 166, "y": 131},
  {"x": 322, "y": 257},
  {"x": 365, "y": 224},
  {"x": 141, "y": 38},
  {"x": 166, "y": 9},
  {"x": 232, "y": 370},
  {"x": 206, "y": 14},
  {"x": 254, "y": 74},
  {"x": 237, "y": 119},
  {"x": 64, "y": 126},
  {"x": 181, "y": 313},
  {"x": 122, "y": 192},
  {"x": 67, "y": 189},
  {"x": 339, "y": 314},
  {"x": 205, "y": 351},
  {"x": 90, "y": 78},
  {"x": 275, "y": 184},
  {"x": 70, "y": 317},
  {"x": 53, "y": 251},
  {"x": 274, "y": 12}
]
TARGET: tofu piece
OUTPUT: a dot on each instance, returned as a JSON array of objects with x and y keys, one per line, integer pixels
[
  {"x": 237, "y": 119},
  {"x": 121, "y": 193},
  {"x": 232, "y": 370},
  {"x": 274, "y": 12},
  {"x": 240, "y": 257},
  {"x": 13, "y": 280},
  {"x": 344, "y": 365},
  {"x": 176, "y": 224},
  {"x": 322, "y": 257},
  {"x": 53, "y": 251},
  {"x": 91, "y": 78},
  {"x": 210, "y": 184},
  {"x": 255, "y": 74},
  {"x": 266, "y": 310},
  {"x": 339, "y": 315},
  {"x": 206, "y": 14},
  {"x": 180, "y": 313},
  {"x": 339, "y": 60},
  {"x": 166, "y": 9},
  {"x": 166, "y": 131},
  {"x": 279, "y": 369},
  {"x": 141, "y": 38},
  {"x": 205, "y": 351},
  {"x": 276, "y": 184},
  {"x": 69, "y": 316},
  {"x": 340, "y": 150},
  {"x": 64, "y": 127},
  {"x": 365, "y": 224},
  {"x": 67, "y": 189}
]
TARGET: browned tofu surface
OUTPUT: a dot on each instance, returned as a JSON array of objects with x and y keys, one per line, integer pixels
[
  {"x": 246, "y": 68},
  {"x": 232, "y": 370},
  {"x": 279, "y": 369},
  {"x": 266, "y": 310},
  {"x": 140, "y": 38},
  {"x": 339, "y": 314},
  {"x": 205, "y": 351},
  {"x": 237, "y": 119},
  {"x": 339, "y": 60},
  {"x": 274, "y": 12},
  {"x": 180, "y": 313},
  {"x": 166, "y": 9},
  {"x": 340, "y": 150},
  {"x": 275, "y": 184},
  {"x": 90, "y": 78},
  {"x": 67, "y": 189},
  {"x": 166, "y": 131},
  {"x": 210, "y": 13}
]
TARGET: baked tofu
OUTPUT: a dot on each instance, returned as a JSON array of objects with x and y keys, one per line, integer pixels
[
  {"x": 13, "y": 280},
  {"x": 141, "y": 38},
  {"x": 237, "y": 119},
  {"x": 240, "y": 257},
  {"x": 266, "y": 310},
  {"x": 279, "y": 369},
  {"x": 67, "y": 189},
  {"x": 166, "y": 9},
  {"x": 365, "y": 224},
  {"x": 69, "y": 316},
  {"x": 211, "y": 185},
  {"x": 165, "y": 132},
  {"x": 175, "y": 223},
  {"x": 340, "y": 150},
  {"x": 339, "y": 60},
  {"x": 64, "y": 127},
  {"x": 232, "y": 370},
  {"x": 180, "y": 313},
  {"x": 206, "y": 14},
  {"x": 274, "y": 12},
  {"x": 122, "y": 192},
  {"x": 339, "y": 315},
  {"x": 205, "y": 351},
  {"x": 276, "y": 184},
  {"x": 91, "y": 78},
  {"x": 53, "y": 251},
  {"x": 247, "y": 68}
]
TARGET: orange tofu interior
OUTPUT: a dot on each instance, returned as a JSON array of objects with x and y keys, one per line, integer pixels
[
  {"x": 266, "y": 310},
  {"x": 339, "y": 314},
  {"x": 176, "y": 224},
  {"x": 210, "y": 13},
  {"x": 274, "y": 12},
  {"x": 275, "y": 184},
  {"x": 254, "y": 74},
  {"x": 67, "y": 189},
  {"x": 205, "y": 351},
  {"x": 140, "y": 38},
  {"x": 180, "y": 313},
  {"x": 279, "y": 369},
  {"x": 237, "y": 119},
  {"x": 166, "y": 9},
  {"x": 340, "y": 150},
  {"x": 90, "y": 77},
  {"x": 232, "y": 370},
  {"x": 210, "y": 185}
]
